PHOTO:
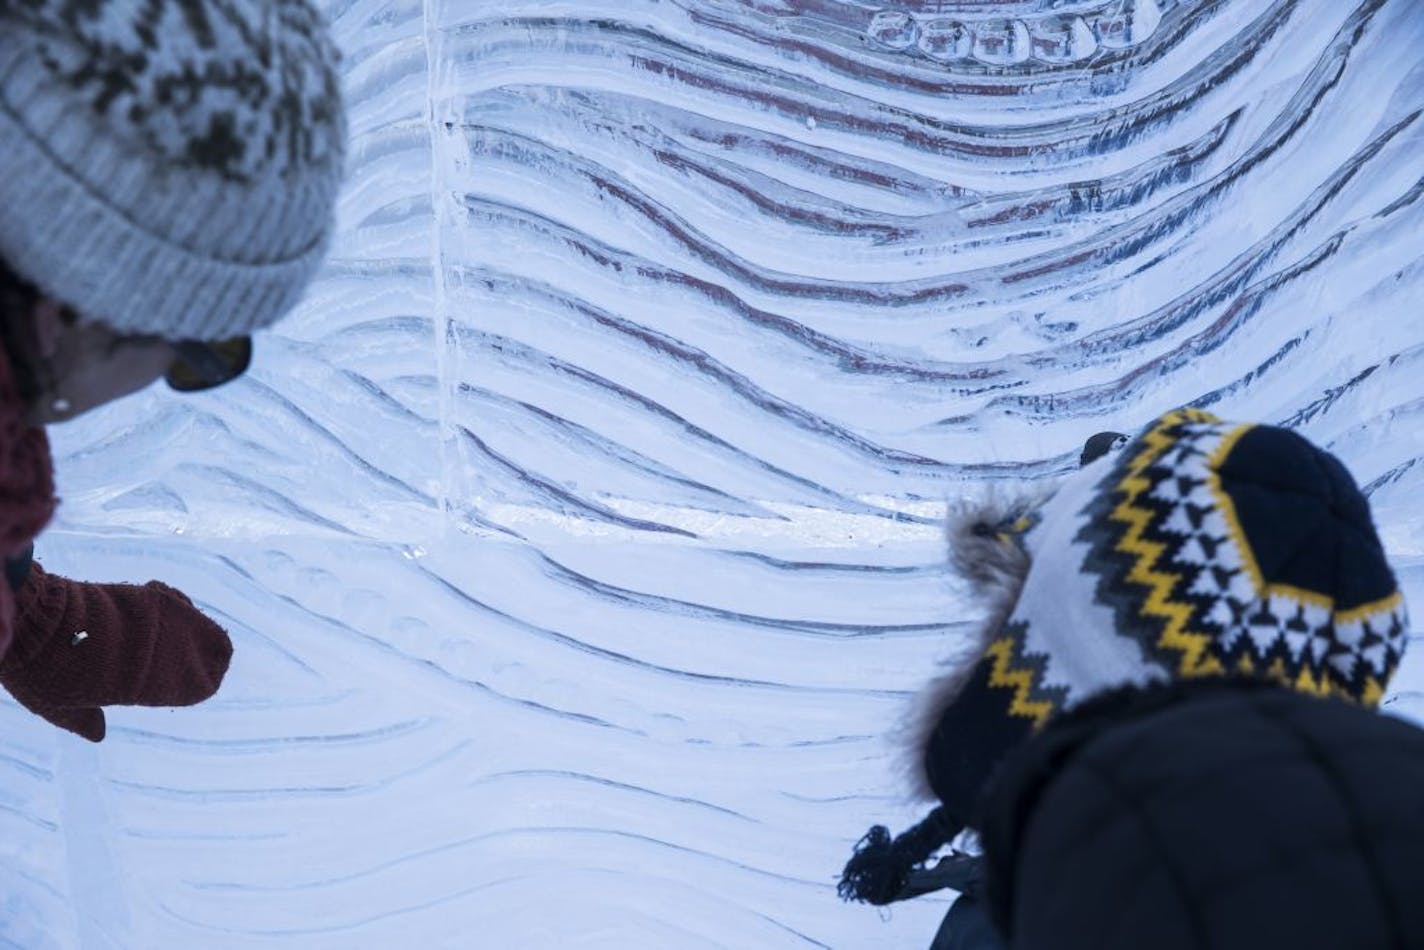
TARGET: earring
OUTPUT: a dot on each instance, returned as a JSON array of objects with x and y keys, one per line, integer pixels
[{"x": 60, "y": 405}]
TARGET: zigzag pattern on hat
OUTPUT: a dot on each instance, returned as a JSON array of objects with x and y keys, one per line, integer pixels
[
  {"x": 1182, "y": 574},
  {"x": 1010, "y": 668}
]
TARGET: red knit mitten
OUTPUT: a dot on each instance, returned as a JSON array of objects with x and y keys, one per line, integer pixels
[{"x": 81, "y": 646}]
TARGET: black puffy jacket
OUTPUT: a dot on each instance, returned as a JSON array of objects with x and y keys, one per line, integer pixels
[{"x": 1210, "y": 816}]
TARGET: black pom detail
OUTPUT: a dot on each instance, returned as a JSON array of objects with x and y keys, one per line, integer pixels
[
  {"x": 880, "y": 867},
  {"x": 875, "y": 874}
]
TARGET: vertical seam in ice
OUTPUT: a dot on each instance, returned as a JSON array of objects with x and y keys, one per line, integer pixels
[{"x": 440, "y": 316}]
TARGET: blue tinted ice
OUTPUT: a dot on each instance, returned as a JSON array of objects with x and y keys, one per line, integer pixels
[{"x": 579, "y": 533}]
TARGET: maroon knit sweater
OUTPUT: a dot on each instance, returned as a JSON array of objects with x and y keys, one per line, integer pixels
[
  {"x": 26, "y": 488},
  {"x": 68, "y": 648}
]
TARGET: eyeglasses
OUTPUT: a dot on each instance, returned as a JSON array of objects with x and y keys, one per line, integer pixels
[{"x": 200, "y": 366}]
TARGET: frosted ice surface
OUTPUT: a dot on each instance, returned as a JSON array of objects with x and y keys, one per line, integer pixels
[{"x": 578, "y": 535}]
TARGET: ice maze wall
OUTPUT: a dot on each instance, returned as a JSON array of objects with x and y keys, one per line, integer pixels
[{"x": 579, "y": 534}]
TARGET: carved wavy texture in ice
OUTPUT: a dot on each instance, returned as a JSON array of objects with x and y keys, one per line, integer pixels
[{"x": 579, "y": 533}]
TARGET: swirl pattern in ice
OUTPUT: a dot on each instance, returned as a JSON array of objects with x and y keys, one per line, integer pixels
[{"x": 579, "y": 533}]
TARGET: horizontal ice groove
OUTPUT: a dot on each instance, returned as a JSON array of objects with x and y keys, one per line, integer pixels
[{"x": 580, "y": 534}]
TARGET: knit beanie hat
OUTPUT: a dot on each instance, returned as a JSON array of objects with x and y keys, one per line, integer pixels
[
  {"x": 168, "y": 168},
  {"x": 1202, "y": 548}
]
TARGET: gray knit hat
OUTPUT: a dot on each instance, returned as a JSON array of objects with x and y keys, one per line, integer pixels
[{"x": 168, "y": 167}]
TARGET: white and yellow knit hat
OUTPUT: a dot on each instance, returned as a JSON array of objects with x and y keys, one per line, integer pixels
[
  {"x": 1202, "y": 548},
  {"x": 168, "y": 168}
]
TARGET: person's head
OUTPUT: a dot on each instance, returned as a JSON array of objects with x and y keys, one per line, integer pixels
[
  {"x": 167, "y": 180},
  {"x": 1201, "y": 548}
]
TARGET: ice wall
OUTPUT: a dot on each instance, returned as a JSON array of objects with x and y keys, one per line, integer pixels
[{"x": 578, "y": 535}]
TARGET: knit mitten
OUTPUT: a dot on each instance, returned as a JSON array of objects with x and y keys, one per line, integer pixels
[{"x": 81, "y": 646}]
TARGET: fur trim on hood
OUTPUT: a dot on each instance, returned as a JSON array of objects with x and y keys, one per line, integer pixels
[{"x": 985, "y": 550}]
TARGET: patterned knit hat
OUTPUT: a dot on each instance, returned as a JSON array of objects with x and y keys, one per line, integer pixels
[
  {"x": 168, "y": 168},
  {"x": 1202, "y": 548}
]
